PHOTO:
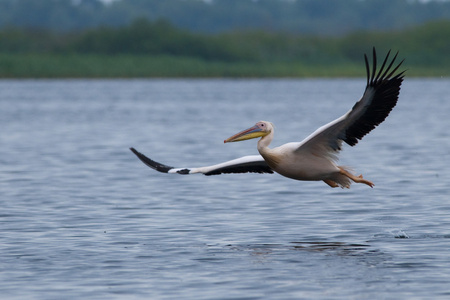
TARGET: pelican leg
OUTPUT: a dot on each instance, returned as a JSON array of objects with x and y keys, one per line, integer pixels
[
  {"x": 331, "y": 183},
  {"x": 358, "y": 179}
]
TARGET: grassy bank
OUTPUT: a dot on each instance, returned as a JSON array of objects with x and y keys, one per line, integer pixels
[{"x": 131, "y": 66}]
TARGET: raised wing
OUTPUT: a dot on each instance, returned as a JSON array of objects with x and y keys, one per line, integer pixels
[
  {"x": 246, "y": 164},
  {"x": 379, "y": 98}
]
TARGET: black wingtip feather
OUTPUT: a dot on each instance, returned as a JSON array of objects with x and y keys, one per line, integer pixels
[
  {"x": 384, "y": 63},
  {"x": 385, "y": 88},
  {"x": 374, "y": 58},
  {"x": 151, "y": 163},
  {"x": 366, "y": 60}
]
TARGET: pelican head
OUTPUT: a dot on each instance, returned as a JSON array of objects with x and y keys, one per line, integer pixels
[{"x": 260, "y": 129}]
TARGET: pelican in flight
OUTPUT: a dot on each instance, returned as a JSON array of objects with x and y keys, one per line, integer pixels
[{"x": 315, "y": 158}]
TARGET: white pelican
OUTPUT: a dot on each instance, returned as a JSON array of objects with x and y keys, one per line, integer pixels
[{"x": 315, "y": 158}]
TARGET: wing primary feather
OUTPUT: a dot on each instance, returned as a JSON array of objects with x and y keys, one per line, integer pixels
[
  {"x": 382, "y": 66},
  {"x": 379, "y": 99},
  {"x": 390, "y": 65},
  {"x": 367, "y": 68},
  {"x": 151, "y": 163},
  {"x": 395, "y": 69},
  {"x": 374, "y": 64}
]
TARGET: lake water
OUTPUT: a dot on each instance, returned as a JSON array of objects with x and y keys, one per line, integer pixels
[{"x": 82, "y": 218}]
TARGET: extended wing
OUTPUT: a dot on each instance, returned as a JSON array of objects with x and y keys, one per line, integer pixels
[
  {"x": 246, "y": 164},
  {"x": 379, "y": 98}
]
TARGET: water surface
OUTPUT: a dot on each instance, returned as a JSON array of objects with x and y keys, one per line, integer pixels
[{"x": 81, "y": 217}]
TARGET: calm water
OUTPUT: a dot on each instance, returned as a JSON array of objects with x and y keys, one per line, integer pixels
[{"x": 81, "y": 217}]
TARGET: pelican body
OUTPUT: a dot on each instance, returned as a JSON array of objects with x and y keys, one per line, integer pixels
[
  {"x": 315, "y": 158},
  {"x": 295, "y": 160}
]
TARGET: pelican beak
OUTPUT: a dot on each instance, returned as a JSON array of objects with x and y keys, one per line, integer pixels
[{"x": 250, "y": 133}]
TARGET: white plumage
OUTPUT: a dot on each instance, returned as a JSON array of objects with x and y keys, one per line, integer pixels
[{"x": 315, "y": 158}]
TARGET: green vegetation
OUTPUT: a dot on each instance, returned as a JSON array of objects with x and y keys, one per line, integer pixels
[{"x": 157, "y": 49}]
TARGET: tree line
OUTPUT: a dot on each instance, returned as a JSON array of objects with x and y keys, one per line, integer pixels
[{"x": 427, "y": 44}]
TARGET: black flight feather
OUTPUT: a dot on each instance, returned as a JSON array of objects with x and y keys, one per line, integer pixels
[
  {"x": 249, "y": 167},
  {"x": 151, "y": 163},
  {"x": 385, "y": 88}
]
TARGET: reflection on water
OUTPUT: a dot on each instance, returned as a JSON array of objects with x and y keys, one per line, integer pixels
[
  {"x": 326, "y": 248},
  {"x": 342, "y": 248}
]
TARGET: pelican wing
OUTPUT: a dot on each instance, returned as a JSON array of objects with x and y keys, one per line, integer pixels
[
  {"x": 246, "y": 164},
  {"x": 378, "y": 100}
]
